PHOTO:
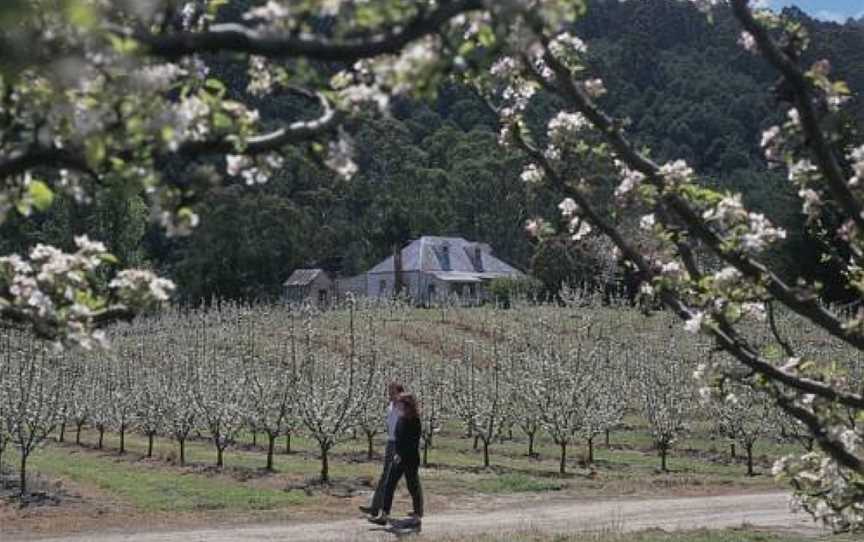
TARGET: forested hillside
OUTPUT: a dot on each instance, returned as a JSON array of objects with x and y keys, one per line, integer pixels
[{"x": 434, "y": 167}]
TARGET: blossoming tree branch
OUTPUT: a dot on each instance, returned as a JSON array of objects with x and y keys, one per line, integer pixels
[{"x": 96, "y": 94}]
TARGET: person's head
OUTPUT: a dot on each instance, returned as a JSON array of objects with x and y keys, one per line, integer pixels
[
  {"x": 407, "y": 405},
  {"x": 393, "y": 390}
]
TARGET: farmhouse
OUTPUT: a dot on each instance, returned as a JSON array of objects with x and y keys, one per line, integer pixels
[
  {"x": 430, "y": 268},
  {"x": 309, "y": 286}
]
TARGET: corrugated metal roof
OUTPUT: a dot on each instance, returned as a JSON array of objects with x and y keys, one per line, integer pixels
[
  {"x": 302, "y": 277},
  {"x": 429, "y": 254}
]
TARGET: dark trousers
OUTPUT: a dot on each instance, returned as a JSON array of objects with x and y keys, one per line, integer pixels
[
  {"x": 412, "y": 480},
  {"x": 378, "y": 497}
]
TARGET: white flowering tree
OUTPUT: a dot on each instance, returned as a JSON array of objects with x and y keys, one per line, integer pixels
[
  {"x": 743, "y": 416},
  {"x": 103, "y": 94},
  {"x": 685, "y": 219},
  {"x": 181, "y": 413},
  {"x": 150, "y": 390},
  {"x": 565, "y": 392},
  {"x": 610, "y": 401},
  {"x": 31, "y": 390},
  {"x": 218, "y": 390},
  {"x": 666, "y": 393},
  {"x": 430, "y": 386},
  {"x": 270, "y": 397},
  {"x": 478, "y": 394},
  {"x": 121, "y": 401}
]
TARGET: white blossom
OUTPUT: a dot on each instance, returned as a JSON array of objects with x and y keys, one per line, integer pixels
[
  {"x": 747, "y": 41},
  {"x": 594, "y": 88},
  {"x": 694, "y": 324},
  {"x": 532, "y": 174},
  {"x": 647, "y": 222},
  {"x": 677, "y": 172},
  {"x": 568, "y": 207}
]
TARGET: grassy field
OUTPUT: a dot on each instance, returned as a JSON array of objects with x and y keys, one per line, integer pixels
[{"x": 137, "y": 487}]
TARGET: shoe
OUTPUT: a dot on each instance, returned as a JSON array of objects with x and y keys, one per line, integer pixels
[
  {"x": 378, "y": 520},
  {"x": 368, "y": 510}
]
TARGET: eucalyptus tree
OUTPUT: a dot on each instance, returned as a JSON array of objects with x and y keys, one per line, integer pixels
[{"x": 31, "y": 391}]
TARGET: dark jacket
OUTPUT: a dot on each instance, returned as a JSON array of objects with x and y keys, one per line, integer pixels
[{"x": 408, "y": 441}]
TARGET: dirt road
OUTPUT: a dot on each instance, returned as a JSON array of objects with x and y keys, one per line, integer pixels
[{"x": 763, "y": 510}]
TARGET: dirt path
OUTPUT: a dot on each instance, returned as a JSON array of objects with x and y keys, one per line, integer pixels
[{"x": 768, "y": 510}]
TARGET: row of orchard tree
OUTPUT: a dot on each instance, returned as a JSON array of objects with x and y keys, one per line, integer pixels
[{"x": 279, "y": 371}]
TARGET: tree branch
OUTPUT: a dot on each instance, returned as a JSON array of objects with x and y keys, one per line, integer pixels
[
  {"x": 807, "y": 307},
  {"x": 239, "y": 38},
  {"x": 34, "y": 156},
  {"x": 807, "y": 113}
]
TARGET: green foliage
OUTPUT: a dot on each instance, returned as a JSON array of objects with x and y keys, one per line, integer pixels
[{"x": 505, "y": 290}]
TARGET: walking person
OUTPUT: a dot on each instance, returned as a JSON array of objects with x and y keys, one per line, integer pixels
[
  {"x": 406, "y": 462},
  {"x": 394, "y": 389}
]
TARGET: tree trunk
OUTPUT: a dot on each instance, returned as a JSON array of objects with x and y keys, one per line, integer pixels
[
  {"x": 732, "y": 450},
  {"x": 749, "y": 448},
  {"x": 219, "y": 462},
  {"x": 101, "y": 436},
  {"x": 271, "y": 446},
  {"x": 607, "y": 438},
  {"x": 590, "y": 450},
  {"x": 78, "y": 427},
  {"x": 562, "y": 469},
  {"x": 369, "y": 451},
  {"x": 663, "y": 459},
  {"x": 288, "y": 443},
  {"x": 476, "y": 441},
  {"x": 150, "y": 436},
  {"x": 485, "y": 453},
  {"x": 426, "y": 443},
  {"x": 122, "y": 439},
  {"x": 325, "y": 466},
  {"x": 23, "y": 474},
  {"x": 182, "y": 442},
  {"x": 254, "y": 439},
  {"x": 62, "y": 436},
  {"x": 530, "y": 444}
]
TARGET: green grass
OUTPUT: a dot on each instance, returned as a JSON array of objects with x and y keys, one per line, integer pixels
[{"x": 154, "y": 489}]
